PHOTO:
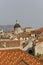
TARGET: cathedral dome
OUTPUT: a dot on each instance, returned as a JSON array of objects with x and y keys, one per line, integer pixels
[{"x": 17, "y": 25}]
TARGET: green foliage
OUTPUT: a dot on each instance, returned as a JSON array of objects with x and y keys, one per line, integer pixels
[{"x": 38, "y": 55}]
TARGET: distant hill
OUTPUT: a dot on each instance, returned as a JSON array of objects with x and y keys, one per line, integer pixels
[{"x": 6, "y": 27}]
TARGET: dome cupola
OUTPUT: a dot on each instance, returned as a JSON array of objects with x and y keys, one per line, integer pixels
[{"x": 17, "y": 25}]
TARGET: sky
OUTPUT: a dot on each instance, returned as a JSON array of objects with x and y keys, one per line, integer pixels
[{"x": 28, "y": 12}]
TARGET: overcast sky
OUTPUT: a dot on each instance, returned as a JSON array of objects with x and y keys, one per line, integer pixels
[{"x": 28, "y": 12}]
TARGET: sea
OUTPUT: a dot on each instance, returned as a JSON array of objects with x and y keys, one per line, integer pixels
[{"x": 6, "y": 28}]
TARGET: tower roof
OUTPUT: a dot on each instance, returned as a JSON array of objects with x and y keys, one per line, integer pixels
[{"x": 17, "y": 24}]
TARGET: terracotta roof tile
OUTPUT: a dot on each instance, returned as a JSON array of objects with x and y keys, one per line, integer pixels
[
  {"x": 17, "y": 57},
  {"x": 40, "y": 59},
  {"x": 39, "y": 30},
  {"x": 25, "y": 35},
  {"x": 11, "y": 31},
  {"x": 10, "y": 41},
  {"x": 33, "y": 32},
  {"x": 40, "y": 39}
]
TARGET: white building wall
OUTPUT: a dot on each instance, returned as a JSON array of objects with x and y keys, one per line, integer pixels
[
  {"x": 1, "y": 30},
  {"x": 39, "y": 48},
  {"x": 18, "y": 30},
  {"x": 29, "y": 45},
  {"x": 29, "y": 30}
]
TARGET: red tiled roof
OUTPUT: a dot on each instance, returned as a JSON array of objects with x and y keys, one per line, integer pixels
[
  {"x": 17, "y": 57},
  {"x": 33, "y": 32},
  {"x": 11, "y": 31},
  {"x": 25, "y": 35},
  {"x": 10, "y": 41},
  {"x": 38, "y": 40},
  {"x": 41, "y": 59},
  {"x": 39, "y": 30}
]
